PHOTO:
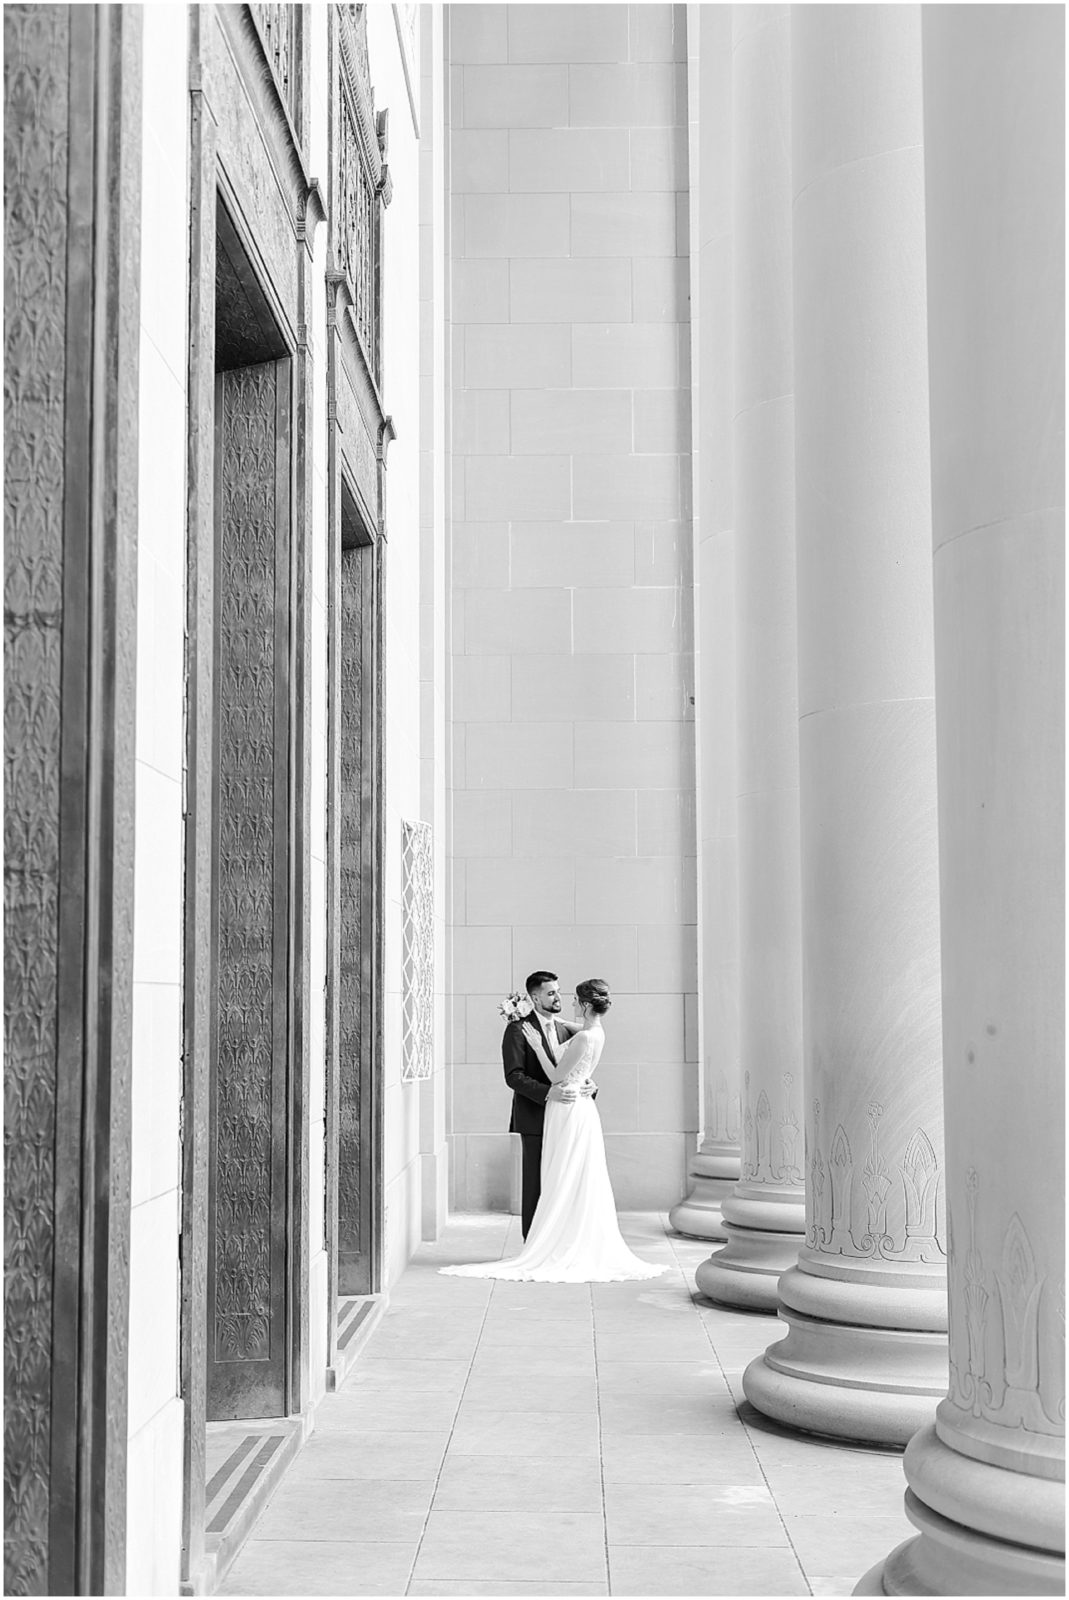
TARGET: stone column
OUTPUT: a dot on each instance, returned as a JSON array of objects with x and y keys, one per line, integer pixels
[
  {"x": 985, "y": 1482},
  {"x": 865, "y": 1356},
  {"x": 765, "y": 1215},
  {"x": 715, "y": 1168}
]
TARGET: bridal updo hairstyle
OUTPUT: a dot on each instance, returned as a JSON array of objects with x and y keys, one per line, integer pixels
[{"x": 594, "y": 992}]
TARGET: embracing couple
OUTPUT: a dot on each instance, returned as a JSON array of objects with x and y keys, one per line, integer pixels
[{"x": 570, "y": 1230}]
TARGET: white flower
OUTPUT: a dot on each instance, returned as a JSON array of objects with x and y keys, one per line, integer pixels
[{"x": 515, "y": 1007}]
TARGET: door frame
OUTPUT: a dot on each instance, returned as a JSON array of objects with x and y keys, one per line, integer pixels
[
  {"x": 210, "y": 190},
  {"x": 351, "y": 527}
]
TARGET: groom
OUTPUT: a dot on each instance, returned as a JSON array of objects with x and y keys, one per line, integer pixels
[{"x": 529, "y": 1084}]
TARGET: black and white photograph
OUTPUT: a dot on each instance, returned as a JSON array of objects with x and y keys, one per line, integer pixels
[{"x": 534, "y": 799}]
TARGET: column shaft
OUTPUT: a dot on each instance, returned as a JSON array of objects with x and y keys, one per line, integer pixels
[
  {"x": 866, "y": 1304},
  {"x": 765, "y": 1215},
  {"x": 986, "y": 1481},
  {"x": 715, "y": 1168}
]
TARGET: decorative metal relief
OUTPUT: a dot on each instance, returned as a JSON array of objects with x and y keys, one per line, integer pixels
[
  {"x": 246, "y": 869},
  {"x": 278, "y": 30},
  {"x": 363, "y": 180},
  {"x": 36, "y": 55},
  {"x": 417, "y": 971},
  {"x": 355, "y": 891},
  {"x": 357, "y": 231}
]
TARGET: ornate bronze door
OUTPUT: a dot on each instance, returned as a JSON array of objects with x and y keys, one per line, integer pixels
[
  {"x": 249, "y": 1133},
  {"x": 357, "y": 970},
  {"x": 72, "y": 203}
]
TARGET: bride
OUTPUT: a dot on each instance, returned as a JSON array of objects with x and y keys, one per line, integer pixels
[{"x": 574, "y": 1237}]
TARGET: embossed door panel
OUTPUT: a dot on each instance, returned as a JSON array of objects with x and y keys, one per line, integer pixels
[
  {"x": 356, "y": 934},
  {"x": 72, "y": 268},
  {"x": 249, "y": 1133}
]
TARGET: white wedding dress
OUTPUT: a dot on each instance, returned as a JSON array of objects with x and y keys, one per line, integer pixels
[{"x": 574, "y": 1235}]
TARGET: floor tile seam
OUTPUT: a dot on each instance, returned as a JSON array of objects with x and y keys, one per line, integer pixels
[
  {"x": 746, "y": 1435},
  {"x": 782, "y": 1518},
  {"x": 724, "y": 1378},
  {"x": 601, "y": 1453},
  {"x": 452, "y": 1431},
  {"x": 669, "y": 1483},
  {"x": 511, "y": 1516},
  {"x": 683, "y": 1544},
  {"x": 325, "y": 1538}
]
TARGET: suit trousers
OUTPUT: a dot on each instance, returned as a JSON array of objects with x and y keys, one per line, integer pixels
[{"x": 531, "y": 1184}]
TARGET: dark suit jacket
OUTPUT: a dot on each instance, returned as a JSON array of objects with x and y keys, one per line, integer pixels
[{"x": 524, "y": 1076}]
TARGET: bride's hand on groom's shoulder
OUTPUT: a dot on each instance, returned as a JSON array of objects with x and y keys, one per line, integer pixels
[{"x": 531, "y": 1034}]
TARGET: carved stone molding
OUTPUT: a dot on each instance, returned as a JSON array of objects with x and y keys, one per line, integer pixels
[
  {"x": 1007, "y": 1360},
  {"x": 866, "y": 1208},
  {"x": 261, "y": 138},
  {"x": 771, "y": 1140},
  {"x": 725, "y": 1109},
  {"x": 311, "y": 211},
  {"x": 352, "y": 42}
]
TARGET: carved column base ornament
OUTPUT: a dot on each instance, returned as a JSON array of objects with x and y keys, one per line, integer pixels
[
  {"x": 713, "y": 1177},
  {"x": 866, "y": 1354}
]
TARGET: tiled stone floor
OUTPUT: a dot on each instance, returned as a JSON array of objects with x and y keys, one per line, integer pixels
[{"x": 545, "y": 1439}]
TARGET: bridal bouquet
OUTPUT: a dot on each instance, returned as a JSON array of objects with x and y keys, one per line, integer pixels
[{"x": 515, "y": 1007}]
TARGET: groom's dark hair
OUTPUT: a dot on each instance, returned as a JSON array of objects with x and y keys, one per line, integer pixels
[{"x": 537, "y": 979}]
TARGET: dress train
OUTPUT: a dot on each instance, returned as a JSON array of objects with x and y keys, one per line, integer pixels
[{"x": 575, "y": 1236}]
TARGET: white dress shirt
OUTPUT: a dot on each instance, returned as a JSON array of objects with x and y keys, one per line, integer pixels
[{"x": 550, "y": 1031}]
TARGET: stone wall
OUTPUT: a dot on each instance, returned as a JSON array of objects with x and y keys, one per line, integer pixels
[{"x": 572, "y": 680}]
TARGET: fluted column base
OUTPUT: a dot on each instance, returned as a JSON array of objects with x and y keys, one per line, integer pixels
[
  {"x": 714, "y": 1175},
  {"x": 861, "y": 1360},
  {"x": 764, "y": 1235},
  {"x": 964, "y": 1510}
]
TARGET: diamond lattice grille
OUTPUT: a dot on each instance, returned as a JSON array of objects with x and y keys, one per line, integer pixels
[{"x": 417, "y": 977}]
